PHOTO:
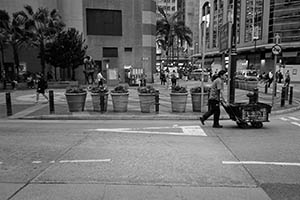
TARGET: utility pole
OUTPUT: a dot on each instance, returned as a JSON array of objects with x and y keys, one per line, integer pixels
[
  {"x": 232, "y": 54},
  {"x": 204, "y": 24}
]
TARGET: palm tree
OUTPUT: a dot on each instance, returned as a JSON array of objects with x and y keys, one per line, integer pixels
[
  {"x": 168, "y": 29},
  {"x": 14, "y": 33},
  {"x": 44, "y": 25}
]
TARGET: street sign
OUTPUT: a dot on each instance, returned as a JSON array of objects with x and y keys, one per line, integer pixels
[{"x": 276, "y": 49}]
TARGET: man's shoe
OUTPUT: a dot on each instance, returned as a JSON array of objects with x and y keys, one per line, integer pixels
[
  {"x": 202, "y": 120},
  {"x": 217, "y": 126}
]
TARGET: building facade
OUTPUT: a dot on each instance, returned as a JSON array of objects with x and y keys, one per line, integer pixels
[
  {"x": 257, "y": 24},
  {"x": 120, "y": 34}
]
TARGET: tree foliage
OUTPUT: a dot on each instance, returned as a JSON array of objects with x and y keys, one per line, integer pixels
[
  {"x": 169, "y": 28},
  {"x": 13, "y": 31},
  {"x": 67, "y": 50},
  {"x": 44, "y": 25}
]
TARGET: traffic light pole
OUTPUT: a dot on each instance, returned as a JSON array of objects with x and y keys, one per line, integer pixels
[{"x": 232, "y": 55}]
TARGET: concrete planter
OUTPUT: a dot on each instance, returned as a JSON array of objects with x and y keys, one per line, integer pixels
[
  {"x": 76, "y": 101},
  {"x": 120, "y": 101},
  {"x": 178, "y": 101},
  {"x": 96, "y": 100}
]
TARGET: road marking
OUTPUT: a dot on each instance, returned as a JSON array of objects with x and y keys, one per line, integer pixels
[
  {"x": 84, "y": 161},
  {"x": 259, "y": 163},
  {"x": 36, "y": 162},
  {"x": 53, "y": 161},
  {"x": 0, "y": 163},
  {"x": 284, "y": 119},
  {"x": 294, "y": 118},
  {"x": 295, "y": 123},
  {"x": 186, "y": 130}
]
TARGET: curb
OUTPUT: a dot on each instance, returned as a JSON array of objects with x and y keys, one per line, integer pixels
[{"x": 182, "y": 116}]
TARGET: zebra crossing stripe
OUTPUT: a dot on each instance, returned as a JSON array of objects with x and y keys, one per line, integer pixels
[
  {"x": 294, "y": 118},
  {"x": 284, "y": 119},
  {"x": 295, "y": 123}
]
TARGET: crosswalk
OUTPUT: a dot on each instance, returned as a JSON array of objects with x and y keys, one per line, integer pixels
[{"x": 291, "y": 119}]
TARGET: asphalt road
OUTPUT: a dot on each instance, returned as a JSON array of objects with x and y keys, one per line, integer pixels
[{"x": 149, "y": 160}]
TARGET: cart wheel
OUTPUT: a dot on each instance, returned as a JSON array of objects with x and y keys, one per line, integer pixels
[
  {"x": 257, "y": 124},
  {"x": 242, "y": 124}
]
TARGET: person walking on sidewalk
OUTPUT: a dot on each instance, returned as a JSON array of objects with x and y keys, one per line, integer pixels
[
  {"x": 41, "y": 87},
  {"x": 100, "y": 78},
  {"x": 215, "y": 97}
]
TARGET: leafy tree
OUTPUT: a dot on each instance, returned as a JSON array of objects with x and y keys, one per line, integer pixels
[
  {"x": 44, "y": 25},
  {"x": 169, "y": 28},
  {"x": 67, "y": 51},
  {"x": 13, "y": 32}
]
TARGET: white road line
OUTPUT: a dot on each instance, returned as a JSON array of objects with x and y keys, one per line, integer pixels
[
  {"x": 84, "y": 161},
  {"x": 294, "y": 118},
  {"x": 53, "y": 161},
  {"x": 284, "y": 119},
  {"x": 295, "y": 123},
  {"x": 259, "y": 163},
  {"x": 1, "y": 163},
  {"x": 36, "y": 162}
]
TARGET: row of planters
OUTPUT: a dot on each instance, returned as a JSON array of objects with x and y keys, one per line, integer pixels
[
  {"x": 76, "y": 97},
  {"x": 246, "y": 83}
]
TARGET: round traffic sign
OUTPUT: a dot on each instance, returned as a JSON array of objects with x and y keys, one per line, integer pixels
[{"x": 276, "y": 49}]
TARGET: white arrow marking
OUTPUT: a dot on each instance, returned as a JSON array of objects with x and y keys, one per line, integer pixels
[
  {"x": 295, "y": 123},
  {"x": 259, "y": 163},
  {"x": 186, "y": 130},
  {"x": 84, "y": 161}
]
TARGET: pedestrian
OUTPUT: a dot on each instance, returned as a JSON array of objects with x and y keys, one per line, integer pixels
[
  {"x": 100, "y": 79},
  {"x": 270, "y": 78},
  {"x": 215, "y": 97},
  {"x": 3, "y": 79},
  {"x": 41, "y": 87},
  {"x": 174, "y": 77},
  {"x": 287, "y": 79}
]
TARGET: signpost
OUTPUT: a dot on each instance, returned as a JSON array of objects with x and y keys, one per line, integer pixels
[{"x": 276, "y": 49}]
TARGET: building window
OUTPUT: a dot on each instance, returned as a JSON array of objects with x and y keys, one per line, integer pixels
[
  {"x": 110, "y": 52},
  {"x": 284, "y": 19},
  {"x": 104, "y": 22},
  {"x": 128, "y": 49},
  {"x": 254, "y": 15}
]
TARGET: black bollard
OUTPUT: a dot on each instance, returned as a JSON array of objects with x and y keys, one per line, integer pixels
[
  {"x": 291, "y": 95},
  {"x": 51, "y": 102},
  {"x": 157, "y": 101},
  {"x": 286, "y": 93},
  {"x": 266, "y": 88},
  {"x": 102, "y": 109},
  {"x": 283, "y": 90},
  {"x": 8, "y": 104}
]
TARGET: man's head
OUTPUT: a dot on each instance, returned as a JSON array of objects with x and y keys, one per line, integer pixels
[{"x": 221, "y": 73}]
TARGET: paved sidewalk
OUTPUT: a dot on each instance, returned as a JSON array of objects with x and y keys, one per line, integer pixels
[{"x": 24, "y": 107}]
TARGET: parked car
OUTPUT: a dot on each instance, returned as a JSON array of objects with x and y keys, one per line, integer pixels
[{"x": 196, "y": 75}]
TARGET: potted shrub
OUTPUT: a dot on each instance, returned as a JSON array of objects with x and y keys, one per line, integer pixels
[
  {"x": 99, "y": 94},
  {"x": 196, "y": 93},
  {"x": 75, "y": 96},
  {"x": 147, "y": 98},
  {"x": 178, "y": 98},
  {"x": 119, "y": 97}
]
